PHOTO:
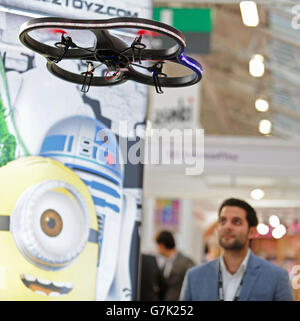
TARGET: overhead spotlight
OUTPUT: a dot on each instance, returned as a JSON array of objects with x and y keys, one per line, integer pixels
[
  {"x": 261, "y": 105},
  {"x": 276, "y": 234},
  {"x": 282, "y": 229},
  {"x": 257, "y": 66},
  {"x": 257, "y": 194},
  {"x": 265, "y": 127},
  {"x": 262, "y": 229},
  {"x": 279, "y": 231},
  {"x": 274, "y": 221},
  {"x": 249, "y": 13}
]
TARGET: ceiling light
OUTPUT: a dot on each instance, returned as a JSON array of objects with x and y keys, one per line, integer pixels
[
  {"x": 262, "y": 229},
  {"x": 257, "y": 66},
  {"x": 274, "y": 221},
  {"x": 282, "y": 229},
  {"x": 276, "y": 234},
  {"x": 249, "y": 13},
  {"x": 261, "y": 105},
  {"x": 257, "y": 194},
  {"x": 279, "y": 231},
  {"x": 265, "y": 126}
]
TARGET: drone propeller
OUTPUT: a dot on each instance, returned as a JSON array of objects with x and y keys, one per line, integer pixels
[
  {"x": 55, "y": 31},
  {"x": 149, "y": 33},
  {"x": 157, "y": 74},
  {"x": 65, "y": 43}
]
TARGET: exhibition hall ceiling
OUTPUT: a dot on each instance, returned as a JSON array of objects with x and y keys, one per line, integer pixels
[{"x": 229, "y": 92}]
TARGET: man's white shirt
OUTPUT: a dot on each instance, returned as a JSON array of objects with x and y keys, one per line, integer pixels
[
  {"x": 169, "y": 265},
  {"x": 231, "y": 282}
]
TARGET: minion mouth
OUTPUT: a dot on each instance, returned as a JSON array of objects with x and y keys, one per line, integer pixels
[{"x": 45, "y": 287}]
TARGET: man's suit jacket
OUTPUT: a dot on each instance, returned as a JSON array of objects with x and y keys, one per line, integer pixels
[
  {"x": 263, "y": 281},
  {"x": 151, "y": 279},
  {"x": 173, "y": 283}
]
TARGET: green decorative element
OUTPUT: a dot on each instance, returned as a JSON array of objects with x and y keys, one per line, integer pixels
[
  {"x": 9, "y": 139},
  {"x": 186, "y": 20}
]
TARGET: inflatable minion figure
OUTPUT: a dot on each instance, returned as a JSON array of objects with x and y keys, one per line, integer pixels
[
  {"x": 48, "y": 232},
  {"x": 90, "y": 149}
]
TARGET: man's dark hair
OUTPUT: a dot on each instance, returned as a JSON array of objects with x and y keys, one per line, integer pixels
[
  {"x": 250, "y": 212},
  {"x": 166, "y": 238}
]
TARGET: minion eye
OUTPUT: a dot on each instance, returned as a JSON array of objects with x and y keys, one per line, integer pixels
[{"x": 50, "y": 224}]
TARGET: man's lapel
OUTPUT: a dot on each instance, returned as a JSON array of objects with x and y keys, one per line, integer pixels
[
  {"x": 251, "y": 274},
  {"x": 213, "y": 280},
  {"x": 175, "y": 265}
]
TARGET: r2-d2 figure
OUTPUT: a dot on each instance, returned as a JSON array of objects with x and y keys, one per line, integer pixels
[{"x": 90, "y": 149}]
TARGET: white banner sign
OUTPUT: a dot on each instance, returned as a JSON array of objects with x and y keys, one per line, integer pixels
[
  {"x": 176, "y": 108},
  {"x": 253, "y": 156},
  {"x": 235, "y": 156},
  {"x": 93, "y": 9}
]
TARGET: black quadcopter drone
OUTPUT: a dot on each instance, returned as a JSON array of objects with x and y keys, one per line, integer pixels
[{"x": 122, "y": 46}]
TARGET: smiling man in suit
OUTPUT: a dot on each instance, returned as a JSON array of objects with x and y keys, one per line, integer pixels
[{"x": 238, "y": 274}]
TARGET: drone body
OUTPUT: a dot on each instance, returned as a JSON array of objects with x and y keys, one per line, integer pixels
[{"x": 120, "y": 45}]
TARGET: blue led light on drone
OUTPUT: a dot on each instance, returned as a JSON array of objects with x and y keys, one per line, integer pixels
[{"x": 189, "y": 61}]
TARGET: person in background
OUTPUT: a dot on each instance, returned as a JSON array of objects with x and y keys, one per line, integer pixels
[
  {"x": 150, "y": 279},
  {"x": 175, "y": 267},
  {"x": 208, "y": 256},
  {"x": 238, "y": 274}
]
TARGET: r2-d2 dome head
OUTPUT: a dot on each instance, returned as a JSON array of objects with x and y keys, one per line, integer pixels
[{"x": 85, "y": 144}]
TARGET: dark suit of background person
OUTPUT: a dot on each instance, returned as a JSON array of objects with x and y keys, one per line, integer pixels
[
  {"x": 173, "y": 282},
  {"x": 151, "y": 279},
  {"x": 260, "y": 281},
  {"x": 176, "y": 265}
]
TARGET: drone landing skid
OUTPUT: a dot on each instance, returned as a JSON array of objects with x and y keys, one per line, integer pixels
[{"x": 88, "y": 76}]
